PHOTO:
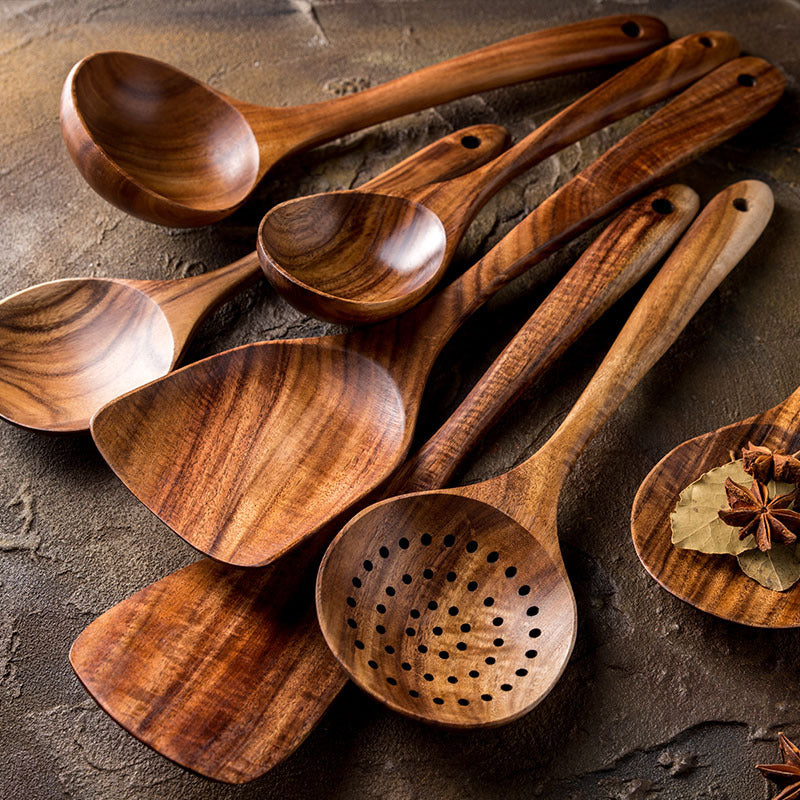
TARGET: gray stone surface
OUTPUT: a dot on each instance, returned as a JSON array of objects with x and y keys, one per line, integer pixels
[{"x": 659, "y": 700}]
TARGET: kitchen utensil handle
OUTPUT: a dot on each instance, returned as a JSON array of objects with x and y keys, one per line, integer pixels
[
  {"x": 655, "y": 77},
  {"x": 707, "y": 113},
  {"x": 555, "y": 51},
  {"x": 725, "y": 230},
  {"x": 628, "y": 248},
  {"x": 453, "y": 155}
]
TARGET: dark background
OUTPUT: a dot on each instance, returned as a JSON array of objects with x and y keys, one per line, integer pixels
[{"x": 659, "y": 700}]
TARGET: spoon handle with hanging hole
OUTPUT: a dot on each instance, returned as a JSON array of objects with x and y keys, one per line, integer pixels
[
  {"x": 704, "y": 115},
  {"x": 554, "y": 51},
  {"x": 723, "y": 233},
  {"x": 628, "y": 248},
  {"x": 654, "y": 78}
]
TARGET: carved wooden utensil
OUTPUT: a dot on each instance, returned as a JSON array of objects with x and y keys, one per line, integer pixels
[
  {"x": 170, "y": 149},
  {"x": 365, "y": 257},
  {"x": 251, "y": 673},
  {"x": 712, "y": 583},
  {"x": 67, "y": 347},
  {"x": 248, "y": 453},
  {"x": 454, "y": 606}
]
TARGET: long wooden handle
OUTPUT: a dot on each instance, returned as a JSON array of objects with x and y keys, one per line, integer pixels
[
  {"x": 569, "y": 48},
  {"x": 725, "y": 230},
  {"x": 709, "y": 112},
  {"x": 661, "y": 74},
  {"x": 186, "y": 303},
  {"x": 628, "y": 248}
]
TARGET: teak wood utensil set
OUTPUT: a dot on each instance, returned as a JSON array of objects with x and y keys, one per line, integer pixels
[{"x": 449, "y": 605}]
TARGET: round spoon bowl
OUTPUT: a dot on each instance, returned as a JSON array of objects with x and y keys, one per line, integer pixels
[
  {"x": 66, "y": 349},
  {"x": 352, "y": 253},
  {"x": 712, "y": 583},
  {"x": 446, "y": 609},
  {"x": 156, "y": 135}
]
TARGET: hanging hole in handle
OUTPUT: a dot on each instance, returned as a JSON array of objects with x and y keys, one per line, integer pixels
[
  {"x": 746, "y": 80},
  {"x": 706, "y": 42},
  {"x": 740, "y": 204},
  {"x": 631, "y": 29},
  {"x": 470, "y": 142},
  {"x": 662, "y": 206}
]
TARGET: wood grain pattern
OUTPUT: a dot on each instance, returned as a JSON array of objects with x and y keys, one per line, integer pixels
[
  {"x": 453, "y": 606},
  {"x": 165, "y": 147},
  {"x": 68, "y": 347},
  {"x": 256, "y": 629},
  {"x": 715, "y": 584},
  {"x": 247, "y": 453},
  {"x": 366, "y": 257}
]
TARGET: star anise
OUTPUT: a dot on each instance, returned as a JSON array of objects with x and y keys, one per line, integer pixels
[
  {"x": 764, "y": 464},
  {"x": 753, "y": 512},
  {"x": 788, "y": 771}
]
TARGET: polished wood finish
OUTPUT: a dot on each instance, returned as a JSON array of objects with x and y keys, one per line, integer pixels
[
  {"x": 714, "y": 583},
  {"x": 170, "y": 149},
  {"x": 270, "y": 675},
  {"x": 68, "y": 347},
  {"x": 365, "y": 257},
  {"x": 248, "y": 453},
  {"x": 454, "y": 606}
]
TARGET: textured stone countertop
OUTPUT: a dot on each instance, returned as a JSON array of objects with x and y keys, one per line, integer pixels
[{"x": 659, "y": 700}]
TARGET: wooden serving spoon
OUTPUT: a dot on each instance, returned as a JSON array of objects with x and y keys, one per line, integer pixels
[
  {"x": 713, "y": 583},
  {"x": 454, "y": 606},
  {"x": 67, "y": 347},
  {"x": 170, "y": 149},
  {"x": 365, "y": 257},
  {"x": 250, "y": 672},
  {"x": 248, "y": 453}
]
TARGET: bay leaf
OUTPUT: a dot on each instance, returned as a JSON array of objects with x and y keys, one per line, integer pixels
[
  {"x": 777, "y": 569},
  {"x": 695, "y": 522}
]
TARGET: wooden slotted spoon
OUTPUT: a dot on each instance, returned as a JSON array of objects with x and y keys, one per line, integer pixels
[
  {"x": 67, "y": 347},
  {"x": 454, "y": 606},
  {"x": 248, "y": 453},
  {"x": 251, "y": 673},
  {"x": 166, "y": 147},
  {"x": 367, "y": 256}
]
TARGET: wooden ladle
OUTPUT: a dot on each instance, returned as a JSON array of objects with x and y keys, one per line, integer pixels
[
  {"x": 248, "y": 453},
  {"x": 170, "y": 149},
  {"x": 67, "y": 347},
  {"x": 250, "y": 672},
  {"x": 365, "y": 257},
  {"x": 454, "y": 606}
]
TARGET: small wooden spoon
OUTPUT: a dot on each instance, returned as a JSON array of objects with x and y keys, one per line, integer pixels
[
  {"x": 67, "y": 347},
  {"x": 170, "y": 149},
  {"x": 250, "y": 672},
  {"x": 365, "y": 257},
  {"x": 712, "y": 583},
  {"x": 248, "y": 453},
  {"x": 453, "y": 606}
]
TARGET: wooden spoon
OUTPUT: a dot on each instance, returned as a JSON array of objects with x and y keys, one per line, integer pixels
[
  {"x": 250, "y": 674},
  {"x": 170, "y": 149},
  {"x": 67, "y": 347},
  {"x": 453, "y": 606},
  {"x": 249, "y": 452},
  {"x": 713, "y": 583},
  {"x": 365, "y": 257}
]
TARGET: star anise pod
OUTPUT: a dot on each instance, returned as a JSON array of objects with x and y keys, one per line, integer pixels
[
  {"x": 764, "y": 464},
  {"x": 788, "y": 771},
  {"x": 753, "y": 512}
]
